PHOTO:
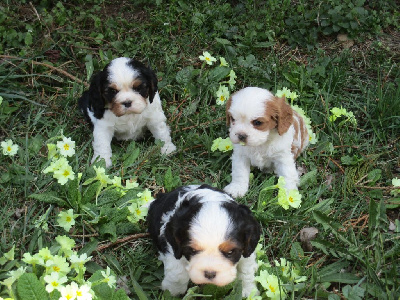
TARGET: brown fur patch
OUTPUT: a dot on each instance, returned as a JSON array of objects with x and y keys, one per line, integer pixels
[
  {"x": 285, "y": 115},
  {"x": 228, "y": 115},
  {"x": 136, "y": 82},
  {"x": 195, "y": 246},
  {"x": 267, "y": 123},
  {"x": 300, "y": 127},
  {"x": 117, "y": 109},
  {"x": 227, "y": 246}
]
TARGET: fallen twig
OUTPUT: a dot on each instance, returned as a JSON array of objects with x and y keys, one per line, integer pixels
[{"x": 123, "y": 240}]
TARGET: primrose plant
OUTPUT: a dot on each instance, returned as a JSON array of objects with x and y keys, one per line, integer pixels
[{"x": 57, "y": 273}]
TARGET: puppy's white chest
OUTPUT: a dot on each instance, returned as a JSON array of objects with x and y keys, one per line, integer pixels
[{"x": 129, "y": 127}]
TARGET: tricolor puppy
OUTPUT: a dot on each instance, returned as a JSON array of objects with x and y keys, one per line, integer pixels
[
  {"x": 203, "y": 235},
  {"x": 266, "y": 133},
  {"x": 123, "y": 101}
]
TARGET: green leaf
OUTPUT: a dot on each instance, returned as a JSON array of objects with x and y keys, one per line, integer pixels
[
  {"x": 28, "y": 39},
  {"x": 121, "y": 295},
  {"x": 353, "y": 293},
  {"x": 55, "y": 295},
  {"x": 296, "y": 251},
  {"x": 50, "y": 197},
  {"x": 218, "y": 73},
  {"x": 171, "y": 181},
  {"x": 223, "y": 41},
  {"x": 138, "y": 289},
  {"x": 184, "y": 76},
  {"x": 89, "y": 66},
  {"x": 131, "y": 157},
  {"x": 109, "y": 229},
  {"x": 341, "y": 278},
  {"x": 30, "y": 288},
  {"x": 309, "y": 178},
  {"x": 89, "y": 247}
]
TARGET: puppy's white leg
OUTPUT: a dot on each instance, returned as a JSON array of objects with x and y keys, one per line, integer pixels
[
  {"x": 247, "y": 268},
  {"x": 240, "y": 175},
  {"x": 158, "y": 126},
  {"x": 102, "y": 136},
  {"x": 161, "y": 132},
  {"x": 286, "y": 167},
  {"x": 176, "y": 277}
]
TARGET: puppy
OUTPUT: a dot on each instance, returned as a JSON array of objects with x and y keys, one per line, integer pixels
[
  {"x": 203, "y": 235},
  {"x": 266, "y": 133},
  {"x": 123, "y": 101}
]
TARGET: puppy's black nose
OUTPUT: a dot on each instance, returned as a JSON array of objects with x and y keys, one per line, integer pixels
[
  {"x": 127, "y": 104},
  {"x": 210, "y": 274},
  {"x": 242, "y": 137}
]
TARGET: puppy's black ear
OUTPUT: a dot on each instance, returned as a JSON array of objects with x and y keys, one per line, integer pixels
[
  {"x": 249, "y": 230},
  {"x": 152, "y": 81},
  {"x": 177, "y": 229},
  {"x": 97, "y": 99},
  {"x": 174, "y": 238}
]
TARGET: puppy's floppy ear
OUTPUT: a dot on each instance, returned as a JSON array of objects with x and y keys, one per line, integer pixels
[
  {"x": 97, "y": 100},
  {"x": 228, "y": 116},
  {"x": 152, "y": 81},
  {"x": 284, "y": 115},
  {"x": 177, "y": 229},
  {"x": 249, "y": 230}
]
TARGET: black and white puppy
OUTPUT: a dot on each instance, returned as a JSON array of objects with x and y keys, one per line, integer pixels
[
  {"x": 203, "y": 235},
  {"x": 123, "y": 101}
]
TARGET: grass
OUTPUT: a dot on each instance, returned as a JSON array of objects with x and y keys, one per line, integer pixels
[{"x": 49, "y": 50}]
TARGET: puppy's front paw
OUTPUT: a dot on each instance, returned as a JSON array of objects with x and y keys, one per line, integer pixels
[
  {"x": 174, "y": 287},
  {"x": 168, "y": 148},
  {"x": 236, "y": 190},
  {"x": 250, "y": 290},
  {"x": 106, "y": 159}
]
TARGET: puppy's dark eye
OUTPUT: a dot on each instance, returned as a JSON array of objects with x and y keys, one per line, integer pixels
[
  {"x": 192, "y": 251},
  {"x": 112, "y": 91},
  {"x": 232, "y": 119},
  {"x": 230, "y": 253},
  {"x": 257, "y": 123}
]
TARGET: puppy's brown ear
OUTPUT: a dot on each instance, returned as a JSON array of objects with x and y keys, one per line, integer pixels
[
  {"x": 228, "y": 116},
  {"x": 285, "y": 115}
]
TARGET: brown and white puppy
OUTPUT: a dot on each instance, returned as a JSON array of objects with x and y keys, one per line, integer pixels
[
  {"x": 266, "y": 133},
  {"x": 123, "y": 101},
  {"x": 203, "y": 235}
]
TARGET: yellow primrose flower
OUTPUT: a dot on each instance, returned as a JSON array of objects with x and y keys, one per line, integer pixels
[
  {"x": 337, "y": 112},
  {"x": 284, "y": 266},
  {"x": 66, "y": 244},
  {"x": 138, "y": 212},
  {"x": 78, "y": 262},
  {"x": 215, "y": 144},
  {"x": 295, "y": 276},
  {"x": 83, "y": 292},
  {"x": 58, "y": 264},
  {"x": 116, "y": 181},
  {"x": 45, "y": 254},
  {"x": 281, "y": 183},
  {"x": 68, "y": 292},
  {"x": 56, "y": 164},
  {"x": 283, "y": 199},
  {"x": 293, "y": 95},
  {"x": 54, "y": 281},
  {"x": 66, "y": 219},
  {"x": 102, "y": 177},
  {"x": 33, "y": 259},
  {"x": 9, "y": 148},
  {"x": 294, "y": 198},
  {"x": 232, "y": 77},
  {"x": 51, "y": 151},
  {"x": 108, "y": 278},
  {"x": 271, "y": 285},
  {"x": 223, "y": 62},
  {"x": 207, "y": 58},
  {"x": 396, "y": 182},
  {"x": 13, "y": 276},
  {"x": 145, "y": 196},
  {"x": 225, "y": 145},
  {"x": 64, "y": 174},
  {"x": 131, "y": 184},
  {"x": 285, "y": 92},
  {"x": 66, "y": 147},
  {"x": 222, "y": 95}
]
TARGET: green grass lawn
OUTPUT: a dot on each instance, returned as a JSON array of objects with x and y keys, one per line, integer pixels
[{"x": 48, "y": 52}]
